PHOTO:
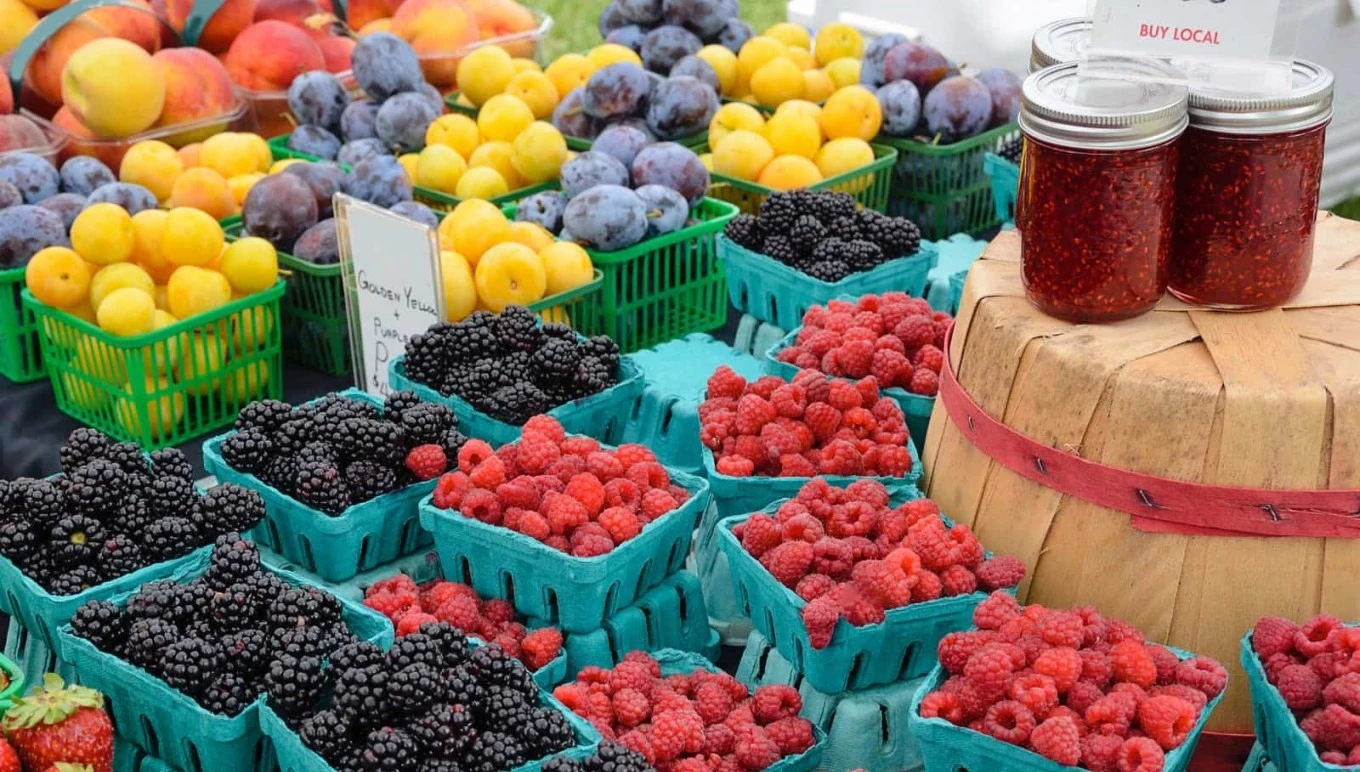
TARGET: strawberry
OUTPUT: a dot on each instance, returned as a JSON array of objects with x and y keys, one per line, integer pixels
[
  {"x": 9, "y": 758},
  {"x": 59, "y": 723}
]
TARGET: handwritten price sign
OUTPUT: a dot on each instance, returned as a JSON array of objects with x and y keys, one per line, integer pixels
[{"x": 1193, "y": 29}]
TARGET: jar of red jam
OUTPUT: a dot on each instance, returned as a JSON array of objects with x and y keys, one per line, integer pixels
[
  {"x": 1097, "y": 191},
  {"x": 1061, "y": 41},
  {"x": 1247, "y": 194}
]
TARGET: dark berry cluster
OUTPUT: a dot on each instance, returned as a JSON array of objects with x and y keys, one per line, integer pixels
[
  {"x": 1011, "y": 149},
  {"x": 608, "y": 757},
  {"x": 510, "y": 367},
  {"x": 225, "y": 637},
  {"x": 822, "y": 234},
  {"x": 111, "y": 511},
  {"x": 432, "y": 702},
  {"x": 339, "y": 451}
]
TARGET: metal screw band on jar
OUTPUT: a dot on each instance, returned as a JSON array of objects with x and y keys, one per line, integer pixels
[
  {"x": 1308, "y": 104},
  {"x": 1102, "y": 113},
  {"x": 1059, "y": 42}
]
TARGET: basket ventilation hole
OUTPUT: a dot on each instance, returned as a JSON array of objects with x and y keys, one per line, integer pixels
[
  {"x": 641, "y": 586},
  {"x": 774, "y": 307},
  {"x": 884, "y": 728},
  {"x": 272, "y": 529},
  {"x": 550, "y": 603},
  {"x": 667, "y": 413},
  {"x": 855, "y": 668},
  {"x": 152, "y": 744},
  {"x": 364, "y": 546},
  {"x": 908, "y": 657},
  {"x": 408, "y": 535},
  {"x": 649, "y": 625},
  {"x": 611, "y": 598},
  {"x": 683, "y": 602},
  {"x": 195, "y": 763},
  {"x": 762, "y": 662},
  {"x": 463, "y": 569},
  {"x": 507, "y": 587},
  {"x": 307, "y": 559}
]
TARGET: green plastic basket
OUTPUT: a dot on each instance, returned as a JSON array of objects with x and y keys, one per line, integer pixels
[
  {"x": 662, "y": 288},
  {"x": 869, "y": 184},
  {"x": 122, "y": 386},
  {"x": 34, "y": 658},
  {"x": 944, "y": 188},
  {"x": 20, "y": 351}
]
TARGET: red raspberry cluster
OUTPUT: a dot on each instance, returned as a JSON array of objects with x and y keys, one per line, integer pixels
[
  {"x": 773, "y": 428},
  {"x": 1316, "y": 668},
  {"x": 1074, "y": 686},
  {"x": 850, "y": 556},
  {"x": 696, "y": 722},
  {"x": 893, "y": 337},
  {"x": 409, "y": 606},
  {"x": 570, "y": 493}
]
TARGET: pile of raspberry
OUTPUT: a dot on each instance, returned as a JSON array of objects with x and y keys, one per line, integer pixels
[
  {"x": 851, "y": 556},
  {"x": 409, "y": 606},
  {"x": 1075, "y": 687},
  {"x": 894, "y": 337},
  {"x": 570, "y": 493},
  {"x": 812, "y": 426},
  {"x": 696, "y": 722},
  {"x": 1316, "y": 668}
]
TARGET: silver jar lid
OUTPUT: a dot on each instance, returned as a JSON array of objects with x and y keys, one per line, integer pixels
[
  {"x": 1101, "y": 113},
  {"x": 1058, "y": 42},
  {"x": 1308, "y": 104}
]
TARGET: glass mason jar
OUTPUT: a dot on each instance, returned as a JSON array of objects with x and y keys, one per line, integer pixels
[
  {"x": 1059, "y": 42},
  {"x": 1097, "y": 192},
  {"x": 1247, "y": 194}
]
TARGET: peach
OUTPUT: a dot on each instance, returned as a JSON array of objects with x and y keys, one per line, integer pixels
[
  {"x": 45, "y": 5},
  {"x": 435, "y": 27},
  {"x": 138, "y": 25},
  {"x": 204, "y": 189},
  {"x": 113, "y": 87},
  {"x": 18, "y": 133},
  {"x": 197, "y": 86},
  {"x": 225, "y": 26},
  {"x": 16, "y": 19},
  {"x": 188, "y": 155},
  {"x": 266, "y": 56},
  {"x": 169, "y": 38},
  {"x": 6, "y": 96},
  {"x": 111, "y": 153},
  {"x": 338, "y": 52},
  {"x": 360, "y": 13},
  {"x": 44, "y": 69},
  {"x": 497, "y": 18},
  {"x": 377, "y": 25},
  {"x": 294, "y": 12}
]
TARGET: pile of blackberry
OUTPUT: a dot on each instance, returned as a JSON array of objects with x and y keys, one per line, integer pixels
[
  {"x": 111, "y": 511},
  {"x": 226, "y": 637},
  {"x": 508, "y": 366},
  {"x": 432, "y": 702},
  {"x": 608, "y": 757},
  {"x": 337, "y": 451},
  {"x": 1011, "y": 149},
  {"x": 823, "y": 234}
]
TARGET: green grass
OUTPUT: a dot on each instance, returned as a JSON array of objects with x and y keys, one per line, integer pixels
[{"x": 574, "y": 21}]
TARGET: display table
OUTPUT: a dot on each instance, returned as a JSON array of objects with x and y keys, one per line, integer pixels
[{"x": 1264, "y": 400}]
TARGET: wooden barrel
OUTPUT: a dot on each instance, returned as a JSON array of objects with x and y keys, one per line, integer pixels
[{"x": 1259, "y": 400}]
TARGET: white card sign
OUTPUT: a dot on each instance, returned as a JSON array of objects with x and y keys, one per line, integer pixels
[
  {"x": 390, "y": 267},
  {"x": 1195, "y": 29}
]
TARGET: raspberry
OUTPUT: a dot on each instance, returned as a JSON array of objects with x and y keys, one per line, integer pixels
[
  {"x": 820, "y": 617},
  {"x": 735, "y": 466},
  {"x": 639, "y": 742},
  {"x": 489, "y": 474},
  {"x": 1273, "y": 635},
  {"x": 1117, "y": 630},
  {"x": 1311, "y": 638},
  {"x": 1009, "y": 722},
  {"x": 461, "y": 611},
  {"x": 649, "y": 474},
  {"x": 1035, "y": 691},
  {"x": 868, "y": 391},
  {"x": 793, "y": 465},
  {"x": 753, "y": 413},
  {"x": 520, "y": 493},
  {"x": 631, "y": 707},
  {"x": 1134, "y": 690},
  {"x": 957, "y": 580},
  {"x": 890, "y": 367},
  {"x": 656, "y": 502},
  {"x": 772, "y": 702},
  {"x": 924, "y": 382},
  {"x": 473, "y": 453},
  {"x": 1141, "y": 754},
  {"x": 591, "y": 546},
  {"x": 955, "y": 649},
  {"x": 1332, "y": 728},
  {"x": 393, "y": 605},
  {"x": 833, "y": 558},
  {"x": 843, "y": 396},
  {"x": 813, "y": 586},
  {"x": 945, "y": 705},
  {"x": 1344, "y": 691},
  {"x": 789, "y": 562},
  {"x": 822, "y": 419},
  {"x": 1328, "y": 665},
  {"x": 1166, "y": 662},
  {"x": 793, "y": 735},
  {"x": 541, "y": 647},
  {"x": 1095, "y": 668},
  {"x": 621, "y": 524},
  {"x": 1193, "y": 696},
  {"x": 883, "y": 583},
  {"x": 481, "y": 504},
  {"x": 1057, "y": 739},
  {"x": 856, "y": 357},
  {"x": 1063, "y": 665},
  {"x": 712, "y": 702},
  {"x": 853, "y": 518},
  {"x": 631, "y": 675},
  {"x": 1131, "y": 662},
  {"x": 563, "y": 513},
  {"x": 857, "y": 609},
  {"x": 779, "y": 441},
  {"x": 1061, "y": 628},
  {"x": 802, "y": 527},
  {"x": 990, "y": 669},
  {"x": 580, "y": 447},
  {"x": 449, "y": 491},
  {"x": 1204, "y": 674},
  {"x": 719, "y": 739},
  {"x": 1083, "y": 695},
  {"x": 996, "y": 610},
  {"x": 1112, "y": 714},
  {"x": 509, "y": 455},
  {"x": 755, "y": 749},
  {"x": 566, "y": 468},
  {"x": 929, "y": 357},
  {"x": 789, "y": 401},
  {"x": 587, "y": 489},
  {"x": 915, "y": 332},
  {"x": 840, "y": 457},
  {"x": 1167, "y": 720}
]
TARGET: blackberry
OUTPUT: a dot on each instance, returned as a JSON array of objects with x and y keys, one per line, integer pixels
[
  {"x": 266, "y": 587},
  {"x": 829, "y": 271},
  {"x": 468, "y": 343},
  {"x": 234, "y": 560},
  {"x": 368, "y": 480},
  {"x": 452, "y": 642},
  {"x": 516, "y": 329},
  {"x": 505, "y": 709},
  {"x": 82, "y": 446},
  {"x": 558, "y": 331},
  {"x": 453, "y": 442},
  {"x": 319, "y": 452},
  {"x": 613, "y": 757},
  {"x": 461, "y": 687},
  {"x": 73, "y": 581},
  {"x": 807, "y": 231},
  {"x": 170, "y": 537},
  {"x": 478, "y": 319},
  {"x": 399, "y": 402},
  {"x": 426, "y": 423},
  {"x": 304, "y": 641},
  {"x": 128, "y": 456},
  {"x": 171, "y": 495},
  {"x": 171, "y": 462},
  {"x": 228, "y": 694},
  {"x": 517, "y": 403},
  {"x": 267, "y": 415},
  {"x": 375, "y": 440},
  {"x": 96, "y": 488},
  {"x": 294, "y": 684},
  {"x": 42, "y": 501},
  {"x": 440, "y": 765},
  {"x": 281, "y": 474},
  {"x": 292, "y": 436},
  {"x": 18, "y": 541},
  {"x": 234, "y": 608},
  {"x": 562, "y": 764},
  {"x": 302, "y": 606},
  {"x": 547, "y": 731},
  {"x": 555, "y": 359},
  {"x": 103, "y": 624},
  {"x": 1011, "y": 149},
  {"x": 154, "y": 600},
  {"x": 413, "y": 688},
  {"x": 360, "y": 697},
  {"x": 846, "y": 227},
  {"x": 133, "y": 515},
  {"x": 829, "y": 250},
  {"x": 782, "y": 248},
  {"x": 444, "y": 730},
  {"x": 861, "y": 255},
  {"x": 147, "y": 640},
  {"x": 602, "y": 347},
  {"x": 494, "y": 667},
  {"x": 390, "y": 750},
  {"x": 247, "y": 450},
  {"x": 415, "y": 648},
  {"x": 322, "y": 487},
  {"x": 779, "y": 211},
  {"x": 327, "y": 733},
  {"x": 425, "y": 359},
  {"x": 828, "y": 205},
  {"x": 357, "y": 655},
  {"x": 479, "y": 381},
  {"x": 75, "y": 539},
  {"x": 231, "y": 508},
  {"x": 246, "y": 652},
  {"x": 494, "y": 752},
  {"x": 593, "y": 376},
  {"x": 119, "y": 555},
  {"x": 190, "y": 664},
  {"x": 744, "y": 230},
  {"x": 896, "y": 236}
]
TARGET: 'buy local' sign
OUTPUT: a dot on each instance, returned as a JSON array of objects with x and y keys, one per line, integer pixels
[{"x": 1194, "y": 29}]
